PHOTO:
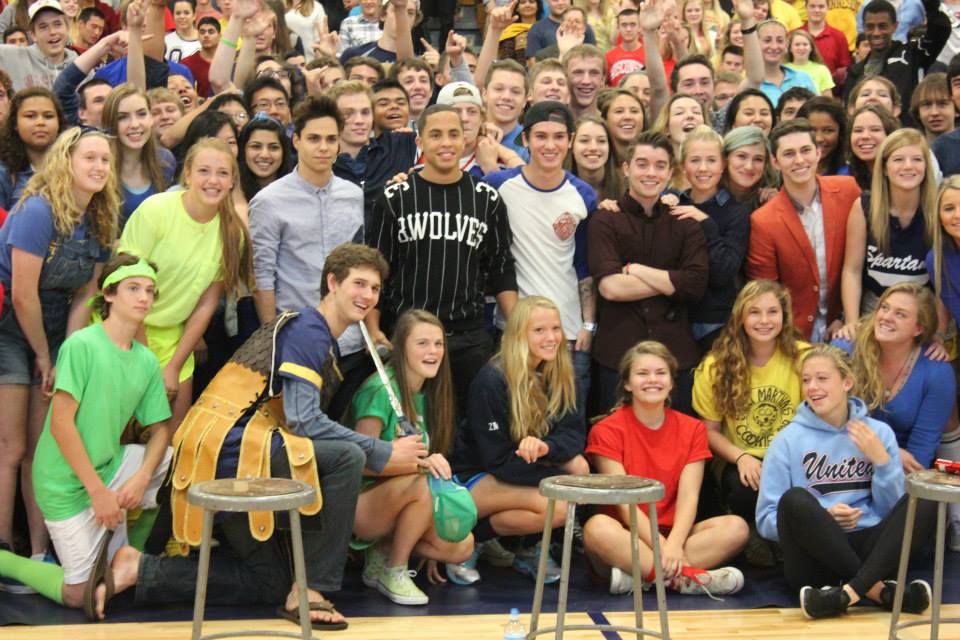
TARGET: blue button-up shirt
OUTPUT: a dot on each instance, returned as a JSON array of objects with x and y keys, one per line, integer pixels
[{"x": 294, "y": 225}]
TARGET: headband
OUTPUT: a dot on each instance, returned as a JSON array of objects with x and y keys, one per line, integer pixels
[{"x": 139, "y": 270}]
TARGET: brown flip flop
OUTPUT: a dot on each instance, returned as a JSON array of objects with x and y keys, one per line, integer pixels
[
  {"x": 101, "y": 574},
  {"x": 319, "y": 625}
]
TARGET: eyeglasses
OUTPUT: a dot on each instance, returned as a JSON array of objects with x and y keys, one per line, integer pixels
[
  {"x": 276, "y": 74},
  {"x": 265, "y": 105}
]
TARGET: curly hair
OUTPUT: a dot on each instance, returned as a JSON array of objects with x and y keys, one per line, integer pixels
[
  {"x": 731, "y": 351},
  {"x": 13, "y": 152},
  {"x": 54, "y": 183}
]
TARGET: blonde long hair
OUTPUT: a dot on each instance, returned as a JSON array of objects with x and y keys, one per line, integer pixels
[
  {"x": 880, "y": 189},
  {"x": 866, "y": 349},
  {"x": 55, "y": 184},
  {"x": 235, "y": 264},
  {"x": 731, "y": 351},
  {"x": 536, "y": 397},
  {"x": 940, "y": 239},
  {"x": 149, "y": 153}
]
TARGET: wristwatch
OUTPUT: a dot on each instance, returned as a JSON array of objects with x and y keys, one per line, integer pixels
[{"x": 590, "y": 326}]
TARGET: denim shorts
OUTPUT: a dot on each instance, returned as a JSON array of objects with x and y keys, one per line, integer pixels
[{"x": 16, "y": 356}]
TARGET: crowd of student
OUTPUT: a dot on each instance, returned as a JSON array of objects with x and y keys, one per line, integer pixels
[{"x": 713, "y": 244}]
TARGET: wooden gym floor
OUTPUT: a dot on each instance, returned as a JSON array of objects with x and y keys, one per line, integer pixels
[{"x": 866, "y": 623}]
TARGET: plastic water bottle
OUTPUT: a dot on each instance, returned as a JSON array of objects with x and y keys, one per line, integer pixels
[{"x": 514, "y": 629}]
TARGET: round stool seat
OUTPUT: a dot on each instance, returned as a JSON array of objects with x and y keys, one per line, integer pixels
[
  {"x": 931, "y": 484},
  {"x": 251, "y": 494},
  {"x": 602, "y": 489}
]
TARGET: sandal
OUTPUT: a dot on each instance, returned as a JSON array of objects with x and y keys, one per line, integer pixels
[
  {"x": 319, "y": 625},
  {"x": 100, "y": 574}
]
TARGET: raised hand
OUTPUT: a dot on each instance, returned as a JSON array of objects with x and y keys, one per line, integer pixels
[
  {"x": 568, "y": 38},
  {"x": 651, "y": 15},
  {"x": 745, "y": 11},
  {"x": 502, "y": 17},
  {"x": 136, "y": 15},
  {"x": 327, "y": 41},
  {"x": 255, "y": 24},
  {"x": 455, "y": 45},
  {"x": 245, "y": 8},
  {"x": 430, "y": 55}
]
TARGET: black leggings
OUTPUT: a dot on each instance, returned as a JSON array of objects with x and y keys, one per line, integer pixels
[
  {"x": 741, "y": 499},
  {"x": 817, "y": 552}
]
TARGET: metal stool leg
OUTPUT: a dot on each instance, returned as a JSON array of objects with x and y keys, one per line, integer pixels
[
  {"x": 542, "y": 565},
  {"x": 938, "y": 571},
  {"x": 902, "y": 570},
  {"x": 564, "y": 566},
  {"x": 300, "y": 570},
  {"x": 203, "y": 571},
  {"x": 658, "y": 573},
  {"x": 635, "y": 572}
]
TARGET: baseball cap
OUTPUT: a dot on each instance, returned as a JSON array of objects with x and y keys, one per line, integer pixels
[
  {"x": 548, "y": 111},
  {"x": 456, "y": 92},
  {"x": 37, "y": 7}
]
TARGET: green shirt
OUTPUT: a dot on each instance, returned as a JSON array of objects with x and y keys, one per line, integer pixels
[
  {"x": 372, "y": 401},
  {"x": 819, "y": 73},
  {"x": 110, "y": 385}
]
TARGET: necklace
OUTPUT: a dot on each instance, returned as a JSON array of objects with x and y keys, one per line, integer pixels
[{"x": 902, "y": 374}]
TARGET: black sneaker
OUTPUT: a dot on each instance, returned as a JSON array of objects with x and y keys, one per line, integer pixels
[
  {"x": 824, "y": 602},
  {"x": 916, "y": 597}
]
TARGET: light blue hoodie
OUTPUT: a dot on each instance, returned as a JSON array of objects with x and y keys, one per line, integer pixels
[{"x": 817, "y": 456}]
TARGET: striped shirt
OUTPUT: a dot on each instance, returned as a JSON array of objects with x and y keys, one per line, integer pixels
[
  {"x": 446, "y": 244},
  {"x": 355, "y": 31}
]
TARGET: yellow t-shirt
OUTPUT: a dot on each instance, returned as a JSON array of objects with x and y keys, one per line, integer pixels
[
  {"x": 842, "y": 16},
  {"x": 819, "y": 73},
  {"x": 187, "y": 254},
  {"x": 774, "y": 396},
  {"x": 785, "y": 14}
]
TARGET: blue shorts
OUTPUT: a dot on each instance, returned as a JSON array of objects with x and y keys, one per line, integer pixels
[{"x": 471, "y": 481}]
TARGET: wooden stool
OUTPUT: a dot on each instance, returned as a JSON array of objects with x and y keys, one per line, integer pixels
[
  {"x": 943, "y": 489},
  {"x": 600, "y": 489},
  {"x": 253, "y": 494}
]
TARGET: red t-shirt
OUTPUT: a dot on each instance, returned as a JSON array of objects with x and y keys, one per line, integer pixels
[
  {"x": 660, "y": 454},
  {"x": 200, "y": 69},
  {"x": 833, "y": 47},
  {"x": 620, "y": 63}
]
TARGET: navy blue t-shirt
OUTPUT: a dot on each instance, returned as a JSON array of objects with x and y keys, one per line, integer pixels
[
  {"x": 305, "y": 351},
  {"x": 905, "y": 260}
]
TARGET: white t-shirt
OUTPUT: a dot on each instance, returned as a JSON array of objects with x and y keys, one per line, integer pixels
[
  {"x": 178, "y": 48},
  {"x": 303, "y": 26},
  {"x": 549, "y": 240}
]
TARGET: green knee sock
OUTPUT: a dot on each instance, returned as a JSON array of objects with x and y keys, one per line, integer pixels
[
  {"x": 45, "y": 578},
  {"x": 140, "y": 526}
]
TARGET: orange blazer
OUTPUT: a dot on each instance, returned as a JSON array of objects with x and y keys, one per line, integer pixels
[{"x": 780, "y": 250}]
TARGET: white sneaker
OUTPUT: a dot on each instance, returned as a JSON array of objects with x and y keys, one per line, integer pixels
[
  {"x": 621, "y": 582},
  {"x": 694, "y": 581},
  {"x": 495, "y": 555}
]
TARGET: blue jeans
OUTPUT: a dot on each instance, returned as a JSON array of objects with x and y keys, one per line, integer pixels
[
  {"x": 244, "y": 571},
  {"x": 581, "y": 376}
]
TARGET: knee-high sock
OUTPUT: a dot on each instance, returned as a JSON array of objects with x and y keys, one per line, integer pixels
[{"x": 45, "y": 578}]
